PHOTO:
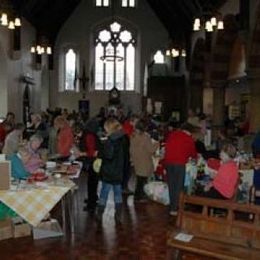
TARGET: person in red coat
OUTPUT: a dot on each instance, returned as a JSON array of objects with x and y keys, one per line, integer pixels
[
  {"x": 65, "y": 137},
  {"x": 179, "y": 147}
]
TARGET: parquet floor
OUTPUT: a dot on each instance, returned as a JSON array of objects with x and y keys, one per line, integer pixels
[{"x": 142, "y": 236}]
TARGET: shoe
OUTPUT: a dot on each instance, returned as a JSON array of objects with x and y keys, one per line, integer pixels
[{"x": 173, "y": 213}]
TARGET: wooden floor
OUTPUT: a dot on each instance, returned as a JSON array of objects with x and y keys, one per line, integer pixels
[{"x": 141, "y": 236}]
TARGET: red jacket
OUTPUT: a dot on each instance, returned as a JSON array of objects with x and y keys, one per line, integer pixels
[
  {"x": 128, "y": 128},
  {"x": 2, "y": 133},
  {"x": 65, "y": 141},
  {"x": 90, "y": 144},
  {"x": 179, "y": 147},
  {"x": 226, "y": 179}
]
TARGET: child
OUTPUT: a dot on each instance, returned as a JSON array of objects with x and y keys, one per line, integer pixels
[{"x": 112, "y": 155}]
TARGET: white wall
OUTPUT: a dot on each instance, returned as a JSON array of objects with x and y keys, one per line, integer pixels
[
  {"x": 3, "y": 72},
  {"x": 12, "y": 69},
  {"x": 77, "y": 31}
]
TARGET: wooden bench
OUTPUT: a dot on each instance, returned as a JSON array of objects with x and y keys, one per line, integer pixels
[{"x": 222, "y": 229}]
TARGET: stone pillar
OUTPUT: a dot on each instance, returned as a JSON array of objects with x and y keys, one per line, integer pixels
[
  {"x": 254, "y": 103},
  {"x": 218, "y": 106}
]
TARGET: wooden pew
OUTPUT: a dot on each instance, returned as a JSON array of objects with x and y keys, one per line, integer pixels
[{"x": 222, "y": 229}]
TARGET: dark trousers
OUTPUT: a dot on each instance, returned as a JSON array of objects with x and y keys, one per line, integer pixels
[
  {"x": 139, "y": 190},
  {"x": 175, "y": 179},
  {"x": 211, "y": 193},
  {"x": 92, "y": 188}
]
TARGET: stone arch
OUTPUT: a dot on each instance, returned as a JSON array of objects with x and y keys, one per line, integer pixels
[
  {"x": 237, "y": 64},
  {"x": 3, "y": 81},
  {"x": 254, "y": 53},
  {"x": 197, "y": 74},
  {"x": 253, "y": 72}
]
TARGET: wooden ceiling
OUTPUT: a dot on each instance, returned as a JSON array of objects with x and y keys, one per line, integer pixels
[{"x": 177, "y": 16}]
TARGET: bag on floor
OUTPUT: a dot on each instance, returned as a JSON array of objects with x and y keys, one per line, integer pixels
[{"x": 157, "y": 191}]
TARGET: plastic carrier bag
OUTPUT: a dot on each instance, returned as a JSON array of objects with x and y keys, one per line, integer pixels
[{"x": 157, "y": 191}]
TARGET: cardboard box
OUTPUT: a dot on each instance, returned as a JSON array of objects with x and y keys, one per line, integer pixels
[
  {"x": 5, "y": 175},
  {"x": 20, "y": 228},
  {"x": 46, "y": 229},
  {"x": 6, "y": 229}
]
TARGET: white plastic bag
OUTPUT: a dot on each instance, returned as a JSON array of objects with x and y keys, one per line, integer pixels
[{"x": 157, "y": 191}]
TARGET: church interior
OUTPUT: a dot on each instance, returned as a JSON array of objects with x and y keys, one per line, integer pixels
[{"x": 167, "y": 62}]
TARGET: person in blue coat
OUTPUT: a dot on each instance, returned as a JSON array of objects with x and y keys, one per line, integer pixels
[{"x": 18, "y": 160}]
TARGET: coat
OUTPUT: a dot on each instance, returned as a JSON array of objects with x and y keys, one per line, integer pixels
[
  {"x": 112, "y": 154},
  {"x": 65, "y": 141},
  {"x": 17, "y": 167},
  {"x": 141, "y": 152}
]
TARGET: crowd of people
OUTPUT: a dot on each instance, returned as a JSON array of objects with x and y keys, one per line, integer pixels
[{"x": 125, "y": 145}]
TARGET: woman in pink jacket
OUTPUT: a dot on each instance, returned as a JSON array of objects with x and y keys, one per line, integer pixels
[{"x": 225, "y": 182}]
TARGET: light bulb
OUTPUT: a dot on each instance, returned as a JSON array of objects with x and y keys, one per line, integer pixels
[
  {"x": 197, "y": 22},
  {"x": 213, "y": 21},
  {"x": 33, "y": 50},
  {"x": 48, "y": 50},
  {"x": 196, "y": 28},
  {"x": 17, "y": 22},
  {"x": 220, "y": 25},
  {"x": 11, "y": 25},
  {"x": 183, "y": 53},
  {"x": 4, "y": 19},
  {"x": 38, "y": 49},
  {"x": 42, "y": 50},
  {"x": 209, "y": 26},
  {"x": 168, "y": 53}
]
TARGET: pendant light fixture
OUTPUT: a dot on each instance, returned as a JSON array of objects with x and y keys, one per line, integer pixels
[{"x": 8, "y": 16}]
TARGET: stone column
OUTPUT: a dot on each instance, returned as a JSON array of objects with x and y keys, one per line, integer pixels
[
  {"x": 218, "y": 106},
  {"x": 254, "y": 102}
]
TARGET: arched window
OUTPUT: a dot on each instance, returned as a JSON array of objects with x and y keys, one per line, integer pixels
[
  {"x": 114, "y": 58},
  {"x": 128, "y": 3},
  {"x": 70, "y": 70},
  {"x": 102, "y": 3},
  {"x": 158, "y": 57}
]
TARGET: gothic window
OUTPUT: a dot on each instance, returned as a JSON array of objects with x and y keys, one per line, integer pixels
[
  {"x": 70, "y": 69},
  {"x": 102, "y": 3},
  {"x": 114, "y": 58},
  {"x": 128, "y": 3}
]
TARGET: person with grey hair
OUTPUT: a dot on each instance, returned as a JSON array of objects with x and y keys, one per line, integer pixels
[
  {"x": 13, "y": 140},
  {"x": 33, "y": 146}
]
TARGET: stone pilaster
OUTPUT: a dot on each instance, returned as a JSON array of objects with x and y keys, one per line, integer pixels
[
  {"x": 254, "y": 103},
  {"x": 218, "y": 106}
]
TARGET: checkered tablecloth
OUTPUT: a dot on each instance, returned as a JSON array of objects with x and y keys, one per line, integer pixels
[{"x": 33, "y": 205}]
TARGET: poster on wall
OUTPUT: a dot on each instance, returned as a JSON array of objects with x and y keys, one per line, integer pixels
[{"x": 84, "y": 106}]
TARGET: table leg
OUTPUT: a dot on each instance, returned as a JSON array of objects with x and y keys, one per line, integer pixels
[
  {"x": 71, "y": 211},
  {"x": 63, "y": 208}
]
